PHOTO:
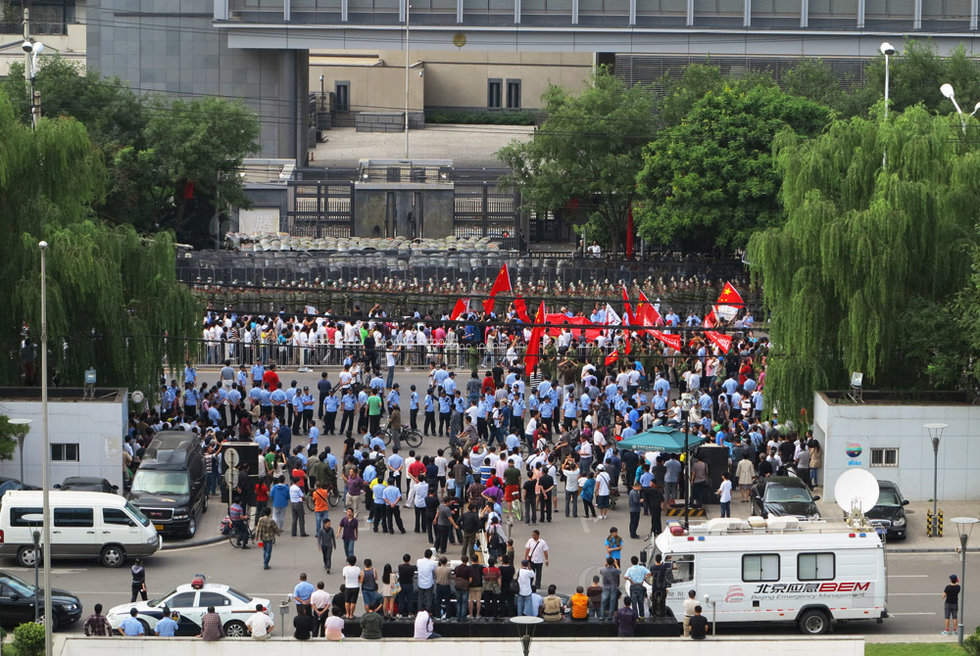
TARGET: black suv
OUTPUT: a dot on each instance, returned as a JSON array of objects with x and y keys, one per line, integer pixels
[
  {"x": 784, "y": 496},
  {"x": 169, "y": 486}
]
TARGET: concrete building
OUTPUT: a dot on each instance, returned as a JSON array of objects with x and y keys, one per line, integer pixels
[
  {"x": 885, "y": 434},
  {"x": 85, "y": 435}
]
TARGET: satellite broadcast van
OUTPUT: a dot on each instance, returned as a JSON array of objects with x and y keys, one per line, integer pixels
[{"x": 777, "y": 570}]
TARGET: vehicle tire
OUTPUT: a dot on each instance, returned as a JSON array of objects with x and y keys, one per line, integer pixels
[
  {"x": 333, "y": 499},
  {"x": 204, "y": 506},
  {"x": 26, "y": 556},
  {"x": 146, "y": 628},
  {"x": 112, "y": 555},
  {"x": 387, "y": 436},
  {"x": 40, "y": 620},
  {"x": 191, "y": 526},
  {"x": 236, "y": 629},
  {"x": 233, "y": 540},
  {"x": 310, "y": 503},
  {"x": 413, "y": 438},
  {"x": 814, "y": 622}
]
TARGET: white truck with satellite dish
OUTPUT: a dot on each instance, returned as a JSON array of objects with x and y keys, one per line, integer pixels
[{"x": 757, "y": 571}]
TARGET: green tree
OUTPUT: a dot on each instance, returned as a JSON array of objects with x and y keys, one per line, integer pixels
[
  {"x": 112, "y": 292},
  {"x": 188, "y": 172},
  {"x": 587, "y": 150},
  {"x": 815, "y": 80},
  {"x": 8, "y": 438},
  {"x": 710, "y": 180},
  {"x": 865, "y": 251}
]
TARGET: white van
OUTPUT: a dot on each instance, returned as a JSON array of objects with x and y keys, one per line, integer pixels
[
  {"x": 776, "y": 570},
  {"x": 84, "y": 524}
]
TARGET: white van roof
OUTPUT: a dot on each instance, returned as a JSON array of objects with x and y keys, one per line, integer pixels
[
  {"x": 63, "y": 498},
  {"x": 738, "y": 535}
]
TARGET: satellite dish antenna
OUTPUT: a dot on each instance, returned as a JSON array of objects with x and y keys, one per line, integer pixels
[
  {"x": 856, "y": 490},
  {"x": 137, "y": 397}
]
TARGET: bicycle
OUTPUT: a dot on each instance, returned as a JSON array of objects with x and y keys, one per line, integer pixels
[
  {"x": 411, "y": 437},
  {"x": 233, "y": 536},
  {"x": 333, "y": 498}
]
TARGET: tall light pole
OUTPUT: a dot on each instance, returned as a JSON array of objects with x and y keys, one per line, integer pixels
[
  {"x": 965, "y": 526},
  {"x": 408, "y": 12},
  {"x": 887, "y": 50},
  {"x": 948, "y": 91},
  {"x": 935, "y": 434},
  {"x": 32, "y": 49},
  {"x": 45, "y": 454}
]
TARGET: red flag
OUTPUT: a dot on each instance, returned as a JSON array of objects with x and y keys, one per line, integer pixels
[
  {"x": 521, "y": 307},
  {"x": 721, "y": 340},
  {"x": 673, "y": 341},
  {"x": 627, "y": 349},
  {"x": 627, "y": 307},
  {"x": 710, "y": 321},
  {"x": 647, "y": 315},
  {"x": 729, "y": 303},
  {"x": 630, "y": 234},
  {"x": 534, "y": 344},
  {"x": 502, "y": 283},
  {"x": 458, "y": 309}
]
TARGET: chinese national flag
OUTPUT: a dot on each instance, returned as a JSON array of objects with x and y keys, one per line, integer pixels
[
  {"x": 534, "y": 344},
  {"x": 521, "y": 307},
  {"x": 501, "y": 284},
  {"x": 458, "y": 309},
  {"x": 647, "y": 315},
  {"x": 729, "y": 303},
  {"x": 627, "y": 307}
]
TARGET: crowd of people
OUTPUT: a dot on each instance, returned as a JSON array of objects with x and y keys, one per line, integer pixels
[{"x": 514, "y": 443}]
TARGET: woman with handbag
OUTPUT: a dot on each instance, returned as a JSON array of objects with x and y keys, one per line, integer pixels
[{"x": 388, "y": 588}]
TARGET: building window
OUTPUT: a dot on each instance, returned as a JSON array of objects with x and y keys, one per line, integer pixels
[
  {"x": 494, "y": 93},
  {"x": 760, "y": 567},
  {"x": 884, "y": 457},
  {"x": 513, "y": 94},
  {"x": 64, "y": 452},
  {"x": 815, "y": 567},
  {"x": 341, "y": 97}
]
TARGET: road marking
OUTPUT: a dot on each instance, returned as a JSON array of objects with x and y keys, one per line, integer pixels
[
  {"x": 908, "y": 576},
  {"x": 912, "y": 594},
  {"x": 585, "y": 525},
  {"x": 891, "y": 614}
]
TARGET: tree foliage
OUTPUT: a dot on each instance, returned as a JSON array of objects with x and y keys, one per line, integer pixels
[
  {"x": 111, "y": 291},
  {"x": 865, "y": 250},
  {"x": 710, "y": 180},
  {"x": 171, "y": 164},
  {"x": 587, "y": 150},
  {"x": 8, "y": 438}
]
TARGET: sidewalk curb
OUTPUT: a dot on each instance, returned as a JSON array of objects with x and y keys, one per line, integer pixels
[{"x": 197, "y": 543}]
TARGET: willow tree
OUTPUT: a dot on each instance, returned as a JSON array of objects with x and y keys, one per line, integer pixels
[
  {"x": 865, "y": 248},
  {"x": 112, "y": 292}
]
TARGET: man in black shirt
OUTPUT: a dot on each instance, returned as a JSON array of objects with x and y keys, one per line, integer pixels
[
  {"x": 530, "y": 501},
  {"x": 406, "y": 578},
  {"x": 951, "y": 603},
  {"x": 547, "y": 485},
  {"x": 699, "y": 625}
]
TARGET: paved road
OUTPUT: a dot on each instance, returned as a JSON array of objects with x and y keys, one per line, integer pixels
[{"x": 915, "y": 579}]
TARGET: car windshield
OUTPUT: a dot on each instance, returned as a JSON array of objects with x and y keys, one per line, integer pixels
[
  {"x": 18, "y": 586},
  {"x": 785, "y": 494},
  {"x": 152, "y": 603},
  {"x": 151, "y": 481},
  {"x": 241, "y": 596},
  {"x": 137, "y": 513},
  {"x": 888, "y": 498}
]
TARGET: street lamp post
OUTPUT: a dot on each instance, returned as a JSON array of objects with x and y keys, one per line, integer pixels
[
  {"x": 686, "y": 404},
  {"x": 887, "y": 50},
  {"x": 935, "y": 434},
  {"x": 45, "y": 455},
  {"x": 23, "y": 427},
  {"x": 965, "y": 526},
  {"x": 408, "y": 11},
  {"x": 948, "y": 91}
]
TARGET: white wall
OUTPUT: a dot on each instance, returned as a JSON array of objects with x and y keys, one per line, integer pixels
[
  {"x": 784, "y": 646},
  {"x": 891, "y": 425},
  {"x": 97, "y": 426}
]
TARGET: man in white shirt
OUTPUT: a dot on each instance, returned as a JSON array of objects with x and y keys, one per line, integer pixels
[
  {"x": 320, "y": 602},
  {"x": 525, "y": 586},
  {"x": 426, "y": 568},
  {"x": 423, "y": 626},
  {"x": 259, "y": 624},
  {"x": 536, "y": 551}
]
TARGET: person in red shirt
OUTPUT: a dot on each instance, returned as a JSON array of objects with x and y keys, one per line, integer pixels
[
  {"x": 417, "y": 469},
  {"x": 261, "y": 499},
  {"x": 272, "y": 378},
  {"x": 488, "y": 384}
]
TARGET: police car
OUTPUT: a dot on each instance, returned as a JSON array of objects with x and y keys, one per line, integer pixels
[{"x": 191, "y": 602}]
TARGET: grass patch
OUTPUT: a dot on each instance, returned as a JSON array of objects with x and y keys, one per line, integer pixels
[{"x": 913, "y": 649}]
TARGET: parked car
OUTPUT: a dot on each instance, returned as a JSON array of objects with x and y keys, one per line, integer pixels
[
  {"x": 14, "y": 484},
  {"x": 17, "y": 603},
  {"x": 784, "y": 496},
  {"x": 87, "y": 484},
  {"x": 191, "y": 601},
  {"x": 169, "y": 486},
  {"x": 889, "y": 513}
]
